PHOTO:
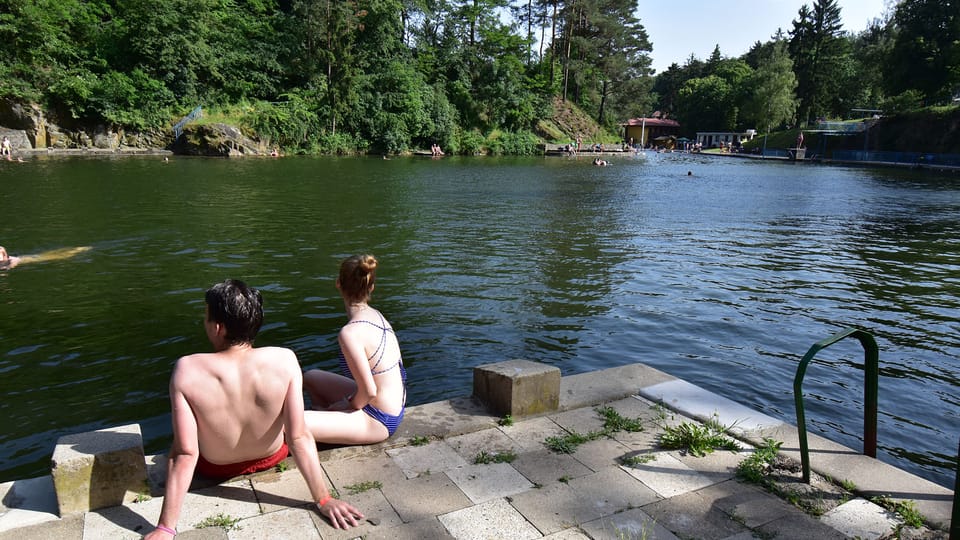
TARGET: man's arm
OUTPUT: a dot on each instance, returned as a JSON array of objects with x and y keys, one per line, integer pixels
[
  {"x": 342, "y": 515},
  {"x": 181, "y": 461}
]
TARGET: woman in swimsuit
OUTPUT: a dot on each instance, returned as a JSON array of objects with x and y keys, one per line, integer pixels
[{"x": 364, "y": 405}]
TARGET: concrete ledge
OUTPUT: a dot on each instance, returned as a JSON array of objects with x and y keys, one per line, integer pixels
[
  {"x": 827, "y": 458},
  {"x": 27, "y": 502},
  {"x": 517, "y": 387},
  {"x": 597, "y": 387},
  {"x": 98, "y": 469}
]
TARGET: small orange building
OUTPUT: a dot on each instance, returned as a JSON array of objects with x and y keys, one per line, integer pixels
[{"x": 644, "y": 130}]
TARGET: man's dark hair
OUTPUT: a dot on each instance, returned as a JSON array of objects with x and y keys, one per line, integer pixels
[{"x": 238, "y": 308}]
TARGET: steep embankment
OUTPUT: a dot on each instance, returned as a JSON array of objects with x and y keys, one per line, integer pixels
[
  {"x": 935, "y": 130},
  {"x": 567, "y": 122}
]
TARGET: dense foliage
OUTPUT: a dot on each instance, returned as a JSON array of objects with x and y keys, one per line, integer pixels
[
  {"x": 907, "y": 58},
  {"x": 470, "y": 75},
  {"x": 329, "y": 75}
]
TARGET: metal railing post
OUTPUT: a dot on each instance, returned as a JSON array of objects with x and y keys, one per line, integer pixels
[
  {"x": 955, "y": 519},
  {"x": 871, "y": 369}
]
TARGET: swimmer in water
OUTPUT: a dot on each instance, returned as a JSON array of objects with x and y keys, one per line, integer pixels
[{"x": 6, "y": 261}]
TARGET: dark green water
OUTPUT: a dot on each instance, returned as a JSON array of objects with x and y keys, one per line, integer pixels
[{"x": 724, "y": 278}]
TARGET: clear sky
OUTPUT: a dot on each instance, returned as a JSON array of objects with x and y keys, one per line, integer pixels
[{"x": 677, "y": 29}]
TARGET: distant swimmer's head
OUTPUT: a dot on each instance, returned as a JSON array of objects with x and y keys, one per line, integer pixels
[
  {"x": 357, "y": 277},
  {"x": 6, "y": 261},
  {"x": 238, "y": 308}
]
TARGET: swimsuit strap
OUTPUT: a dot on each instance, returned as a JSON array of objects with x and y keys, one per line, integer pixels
[{"x": 382, "y": 347}]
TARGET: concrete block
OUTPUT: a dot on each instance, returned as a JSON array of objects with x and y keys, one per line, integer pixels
[
  {"x": 98, "y": 469},
  {"x": 517, "y": 387}
]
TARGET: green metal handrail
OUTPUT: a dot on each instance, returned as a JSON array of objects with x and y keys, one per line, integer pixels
[
  {"x": 955, "y": 520},
  {"x": 871, "y": 366}
]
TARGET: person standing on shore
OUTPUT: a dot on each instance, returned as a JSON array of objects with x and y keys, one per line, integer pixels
[{"x": 236, "y": 410}]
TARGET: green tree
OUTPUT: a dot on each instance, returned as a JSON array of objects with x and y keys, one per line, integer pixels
[
  {"x": 606, "y": 53},
  {"x": 926, "y": 51},
  {"x": 869, "y": 51},
  {"x": 770, "y": 101},
  {"x": 706, "y": 104},
  {"x": 816, "y": 46},
  {"x": 666, "y": 87}
]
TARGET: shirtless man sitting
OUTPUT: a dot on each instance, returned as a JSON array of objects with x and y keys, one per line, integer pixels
[{"x": 235, "y": 410}]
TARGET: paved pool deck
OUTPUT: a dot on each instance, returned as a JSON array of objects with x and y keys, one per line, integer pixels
[{"x": 436, "y": 490}]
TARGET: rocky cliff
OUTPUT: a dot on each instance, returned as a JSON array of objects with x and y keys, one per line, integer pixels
[{"x": 30, "y": 131}]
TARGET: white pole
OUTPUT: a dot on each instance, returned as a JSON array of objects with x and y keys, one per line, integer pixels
[{"x": 643, "y": 131}]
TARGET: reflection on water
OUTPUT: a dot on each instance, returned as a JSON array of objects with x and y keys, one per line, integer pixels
[{"x": 724, "y": 278}]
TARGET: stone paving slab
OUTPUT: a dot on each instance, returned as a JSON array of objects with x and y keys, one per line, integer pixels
[
  {"x": 279, "y": 491},
  {"x": 582, "y": 421},
  {"x": 434, "y": 457},
  {"x": 425, "y": 497},
  {"x": 417, "y": 530},
  {"x": 69, "y": 528},
  {"x": 530, "y": 434},
  {"x": 289, "y": 524},
  {"x": 235, "y": 499},
  {"x": 633, "y": 523},
  {"x": 482, "y": 483},
  {"x": 436, "y": 491},
  {"x": 749, "y": 504},
  {"x": 693, "y": 515},
  {"x": 718, "y": 465},
  {"x": 667, "y": 476},
  {"x": 27, "y": 502},
  {"x": 491, "y": 441},
  {"x": 494, "y": 518},
  {"x": 601, "y": 453},
  {"x": 542, "y": 466},
  {"x": 860, "y": 518},
  {"x": 568, "y": 534},
  {"x": 799, "y": 526},
  {"x": 377, "y": 510}
]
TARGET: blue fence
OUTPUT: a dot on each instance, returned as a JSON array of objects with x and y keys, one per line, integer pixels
[{"x": 913, "y": 158}]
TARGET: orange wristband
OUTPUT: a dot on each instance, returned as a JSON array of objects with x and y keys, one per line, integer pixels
[{"x": 324, "y": 501}]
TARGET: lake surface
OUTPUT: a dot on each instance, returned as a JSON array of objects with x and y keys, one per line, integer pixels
[{"x": 724, "y": 278}]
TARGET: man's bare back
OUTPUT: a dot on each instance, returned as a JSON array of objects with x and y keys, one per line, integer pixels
[
  {"x": 239, "y": 404},
  {"x": 237, "y": 397}
]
